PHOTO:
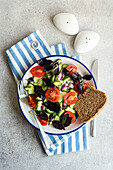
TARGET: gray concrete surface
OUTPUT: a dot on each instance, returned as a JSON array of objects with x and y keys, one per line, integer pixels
[{"x": 20, "y": 147}]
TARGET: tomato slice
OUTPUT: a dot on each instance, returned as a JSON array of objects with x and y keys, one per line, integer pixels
[
  {"x": 70, "y": 98},
  {"x": 32, "y": 100},
  {"x": 71, "y": 115},
  {"x": 86, "y": 84},
  {"x": 43, "y": 122},
  {"x": 37, "y": 71},
  {"x": 76, "y": 88},
  {"x": 52, "y": 94},
  {"x": 72, "y": 68}
]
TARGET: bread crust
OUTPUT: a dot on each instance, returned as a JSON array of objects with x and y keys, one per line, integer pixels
[{"x": 99, "y": 110}]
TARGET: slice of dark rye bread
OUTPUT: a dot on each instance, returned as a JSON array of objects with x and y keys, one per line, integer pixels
[{"x": 90, "y": 104}]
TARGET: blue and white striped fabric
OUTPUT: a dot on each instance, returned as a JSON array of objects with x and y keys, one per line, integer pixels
[{"x": 21, "y": 56}]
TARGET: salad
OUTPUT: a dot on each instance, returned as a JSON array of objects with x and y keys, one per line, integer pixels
[{"x": 53, "y": 89}]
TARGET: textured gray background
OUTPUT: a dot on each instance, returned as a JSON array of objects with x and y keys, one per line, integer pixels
[{"x": 20, "y": 147}]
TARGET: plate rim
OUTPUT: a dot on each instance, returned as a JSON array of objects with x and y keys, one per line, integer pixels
[{"x": 65, "y": 133}]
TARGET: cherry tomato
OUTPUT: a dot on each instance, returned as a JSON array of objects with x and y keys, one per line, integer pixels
[
  {"x": 72, "y": 68},
  {"x": 37, "y": 71},
  {"x": 86, "y": 84},
  {"x": 71, "y": 115},
  {"x": 32, "y": 100},
  {"x": 70, "y": 98},
  {"x": 43, "y": 122},
  {"x": 76, "y": 88},
  {"x": 52, "y": 94}
]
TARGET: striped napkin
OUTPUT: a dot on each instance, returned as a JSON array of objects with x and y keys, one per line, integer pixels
[{"x": 21, "y": 56}]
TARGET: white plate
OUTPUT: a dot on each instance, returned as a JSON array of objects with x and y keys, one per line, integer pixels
[{"x": 82, "y": 69}]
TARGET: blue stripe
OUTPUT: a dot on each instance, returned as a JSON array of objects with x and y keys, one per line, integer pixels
[
  {"x": 37, "y": 50},
  {"x": 84, "y": 137},
  {"x": 64, "y": 49},
  {"x": 55, "y": 151},
  {"x": 62, "y": 148},
  {"x": 77, "y": 141},
  {"x": 50, "y": 149},
  {"x": 70, "y": 144},
  {"x": 78, "y": 58},
  {"x": 41, "y": 136},
  {"x": 42, "y": 44},
  {"x": 17, "y": 60},
  {"x": 61, "y": 138},
  {"x": 53, "y": 140},
  {"x": 13, "y": 68},
  {"x": 28, "y": 50},
  {"x": 22, "y": 54},
  {"x": 56, "y": 50}
]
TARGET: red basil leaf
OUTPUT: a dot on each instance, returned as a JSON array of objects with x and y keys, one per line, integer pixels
[
  {"x": 58, "y": 125},
  {"x": 87, "y": 77}
]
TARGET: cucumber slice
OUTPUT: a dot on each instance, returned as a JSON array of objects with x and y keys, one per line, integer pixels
[
  {"x": 59, "y": 87},
  {"x": 35, "y": 79},
  {"x": 39, "y": 99},
  {"x": 65, "y": 89},
  {"x": 61, "y": 112},
  {"x": 72, "y": 90},
  {"x": 59, "y": 76},
  {"x": 49, "y": 111},
  {"x": 48, "y": 76},
  {"x": 55, "y": 68},
  {"x": 64, "y": 65},
  {"x": 44, "y": 88},
  {"x": 54, "y": 114},
  {"x": 66, "y": 79},
  {"x": 39, "y": 104},
  {"x": 53, "y": 78},
  {"x": 29, "y": 88},
  {"x": 60, "y": 102},
  {"x": 57, "y": 118},
  {"x": 72, "y": 106},
  {"x": 51, "y": 121},
  {"x": 70, "y": 109},
  {"x": 45, "y": 100},
  {"x": 59, "y": 60},
  {"x": 57, "y": 83}
]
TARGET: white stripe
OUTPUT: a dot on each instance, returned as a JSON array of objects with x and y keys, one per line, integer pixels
[
  {"x": 81, "y": 139},
  {"x": 53, "y": 49},
  {"x": 14, "y": 63},
  {"x": 20, "y": 58},
  {"x": 60, "y": 49},
  {"x": 56, "y": 138},
  {"x": 31, "y": 49},
  {"x": 39, "y": 47},
  {"x": 44, "y": 41},
  {"x": 49, "y": 141},
  {"x": 73, "y": 142},
  {"x": 25, "y": 52},
  {"x": 87, "y": 136},
  {"x": 58, "y": 141},
  {"x": 59, "y": 149},
  {"x": 66, "y": 145},
  {"x": 80, "y": 58}
]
